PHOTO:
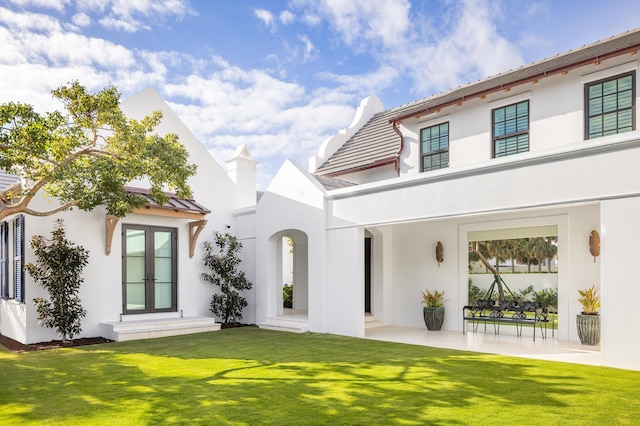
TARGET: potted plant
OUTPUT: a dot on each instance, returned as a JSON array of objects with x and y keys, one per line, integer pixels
[
  {"x": 433, "y": 311},
  {"x": 588, "y": 322}
]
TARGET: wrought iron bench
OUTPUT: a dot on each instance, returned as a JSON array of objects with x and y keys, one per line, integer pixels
[{"x": 507, "y": 311}]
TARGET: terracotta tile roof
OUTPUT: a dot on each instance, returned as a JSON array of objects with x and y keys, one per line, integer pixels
[
  {"x": 377, "y": 144},
  {"x": 174, "y": 203}
]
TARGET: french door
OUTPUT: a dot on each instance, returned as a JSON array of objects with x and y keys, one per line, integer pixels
[{"x": 149, "y": 270}]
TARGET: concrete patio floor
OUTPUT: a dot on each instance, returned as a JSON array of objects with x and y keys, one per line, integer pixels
[{"x": 550, "y": 349}]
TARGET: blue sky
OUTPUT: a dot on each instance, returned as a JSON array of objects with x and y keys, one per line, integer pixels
[{"x": 281, "y": 76}]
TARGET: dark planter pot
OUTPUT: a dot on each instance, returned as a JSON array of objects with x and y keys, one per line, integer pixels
[
  {"x": 433, "y": 317},
  {"x": 588, "y": 329}
]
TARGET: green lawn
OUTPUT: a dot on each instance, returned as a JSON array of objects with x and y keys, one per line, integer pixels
[{"x": 251, "y": 376}]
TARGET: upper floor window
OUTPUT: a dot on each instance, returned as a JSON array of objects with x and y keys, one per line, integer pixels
[
  {"x": 610, "y": 106},
  {"x": 434, "y": 147},
  {"x": 511, "y": 129}
]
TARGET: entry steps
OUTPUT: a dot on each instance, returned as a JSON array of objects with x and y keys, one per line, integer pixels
[
  {"x": 370, "y": 322},
  {"x": 153, "y": 328},
  {"x": 282, "y": 323}
]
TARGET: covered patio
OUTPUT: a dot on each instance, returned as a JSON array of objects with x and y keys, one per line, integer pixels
[{"x": 550, "y": 349}]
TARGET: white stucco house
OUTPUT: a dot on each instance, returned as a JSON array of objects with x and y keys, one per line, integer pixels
[
  {"x": 144, "y": 273},
  {"x": 551, "y": 148}
]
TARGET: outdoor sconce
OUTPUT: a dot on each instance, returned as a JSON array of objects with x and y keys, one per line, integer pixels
[
  {"x": 594, "y": 244},
  {"x": 439, "y": 253}
]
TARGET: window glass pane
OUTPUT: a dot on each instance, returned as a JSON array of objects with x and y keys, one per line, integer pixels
[
  {"x": 162, "y": 243},
  {"x": 595, "y": 91},
  {"x": 609, "y": 122},
  {"x": 523, "y": 124},
  {"x": 499, "y": 129},
  {"x": 595, "y": 106},
  {"x": 625, "y": 120},
  {"x": 163, "y": 269},
  {"x": 625, "y": 100},
  {"x": 625, "y": 83},
  {"x": 135, "y": 296},
  {"x": 595, "y": 126},
  {"x": 510, "y": 112},
  {"x": 610, "y": 103},
  {"x": 609, "y": 87},
  {"x": 135, "y": 242},
  {"x": 135, "y": 269},
  {"x": 498, "y": 115},
  {"x": 163, "y": 297}
]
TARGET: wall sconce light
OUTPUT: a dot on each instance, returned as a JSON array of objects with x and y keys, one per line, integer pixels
[
  {"x": 439, "y": 253},
  {"x": 594, "y": 244}
]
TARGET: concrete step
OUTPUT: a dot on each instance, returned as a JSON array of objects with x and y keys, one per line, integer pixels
[
  {"x": 370, "y": 322},
  {"x": 285, "y": 324},
  {"x": 153, "y": 328}
]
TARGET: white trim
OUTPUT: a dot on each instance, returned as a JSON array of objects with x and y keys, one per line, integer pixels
[{"x": 609, "y": 72}]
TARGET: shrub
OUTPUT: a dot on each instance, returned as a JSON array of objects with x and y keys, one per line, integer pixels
[
  {"x": 58, "y": 269},
  {"x": 287, "y": 296},
  {"x": 221, "y": 258}
]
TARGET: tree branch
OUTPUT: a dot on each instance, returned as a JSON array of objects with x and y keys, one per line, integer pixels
[{"x": 49, "y": 212}]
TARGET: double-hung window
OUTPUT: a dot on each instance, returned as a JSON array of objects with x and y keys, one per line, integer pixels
[
  {"x": 610, "y": 106},
  {"x": 150, "y": 282},
  {"x": 434, "y": 147},
  {"x": 510, "y": 129}
]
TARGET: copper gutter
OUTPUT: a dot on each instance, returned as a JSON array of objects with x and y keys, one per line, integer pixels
[{"x": 561, "y": 70}]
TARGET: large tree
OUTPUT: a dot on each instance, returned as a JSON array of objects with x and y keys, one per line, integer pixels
[{"x": 86, "y": 155}]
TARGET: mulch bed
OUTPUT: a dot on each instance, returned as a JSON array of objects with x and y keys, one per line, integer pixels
[{"x": 18, "y": 347}]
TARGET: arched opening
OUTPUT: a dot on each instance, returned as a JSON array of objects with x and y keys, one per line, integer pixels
[{"x": 291, "y": 283}]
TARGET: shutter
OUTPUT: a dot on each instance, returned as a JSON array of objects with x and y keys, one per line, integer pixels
[
  {"x": 4, "y": 269},
  {"x": 18, "y": 277}
]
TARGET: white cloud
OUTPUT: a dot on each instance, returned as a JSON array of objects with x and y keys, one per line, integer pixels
[
  {"x": 308, "y": 48},
  {"x": 57, "y": 5},
  {"x": 134, "y": 15},
  {"x": 81, "y": 20},
  {"x": 28, "y": 21},
  {"x": 286, "y": 17},
  {"x": 266, "y": 17}
]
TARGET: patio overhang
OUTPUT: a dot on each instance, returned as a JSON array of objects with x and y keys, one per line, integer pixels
[{"x": 175, "y": 207}]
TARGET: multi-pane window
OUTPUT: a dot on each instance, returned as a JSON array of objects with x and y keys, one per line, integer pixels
[
  {"x": 150, "y": 269},
  {"x": 4, "y": 260},
  {"x": 18, "y": 258},
  {"x": 610, "y": 106},
  {"x": 434, "y": 147},
  {"x": 511, "y": 129}
]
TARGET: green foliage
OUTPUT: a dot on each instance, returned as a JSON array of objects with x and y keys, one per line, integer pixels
[
  {"x": 475, "y": 293},
  {"x": 221, "y": 258},
  {"x": 58, "y": 269},
  {"x": 85, "y": 156},
  {"x": 433, "y": 300},
  {"x": 546, "y": 297},
  {"x": 590, "y": 300},
  {"x": 287, "y": 296}
]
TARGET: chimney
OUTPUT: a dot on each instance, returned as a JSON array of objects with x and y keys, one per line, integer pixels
[{"x": 241, "y": 168}]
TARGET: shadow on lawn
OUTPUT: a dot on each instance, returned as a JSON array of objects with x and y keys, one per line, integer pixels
[{"x": 258, "y": 377}]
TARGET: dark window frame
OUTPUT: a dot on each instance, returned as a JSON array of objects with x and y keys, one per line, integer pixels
[
  {"x": 431, "y": 153},
  {"x": 587, "y": 105},
  {"x": 517, "y": 134},
  {"x": 149, "y": 278}
]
